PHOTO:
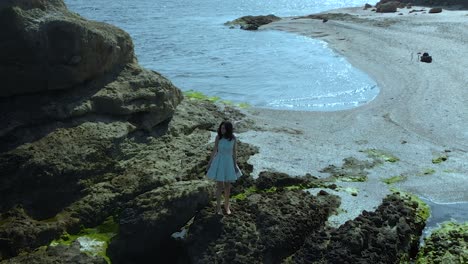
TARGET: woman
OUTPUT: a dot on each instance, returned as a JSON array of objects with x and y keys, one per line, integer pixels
[{"x": 223, "y": 164}]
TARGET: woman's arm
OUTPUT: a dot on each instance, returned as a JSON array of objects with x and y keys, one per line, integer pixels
[{"x": 234, "y": 154}]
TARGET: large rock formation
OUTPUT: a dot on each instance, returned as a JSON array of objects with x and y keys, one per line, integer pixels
[
  {"x": 266, "y": 227},
  {"x": 388, "y": 235},
  {"x": 86, "y": 130},
  {"x": 45, "y": 47},
  {"x": 276, "y": 222}
]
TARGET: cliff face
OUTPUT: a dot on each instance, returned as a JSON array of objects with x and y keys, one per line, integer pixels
[{"x": 58, "y": 67}]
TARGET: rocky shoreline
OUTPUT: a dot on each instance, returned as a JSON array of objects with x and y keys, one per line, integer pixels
[{"x": 103, "y": 161}]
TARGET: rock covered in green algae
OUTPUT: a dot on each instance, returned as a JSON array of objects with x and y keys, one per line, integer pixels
[
  {"x": 264, "y": 228},
  {"x": 447, "y": 244},
  {"x": 105, "y": 168},
  {"x": 388, "y": 235},
  {"x": 253, "y": 22},
  {"x": 268, "y": 180},
  {"x": 108, "y": 132},
  {"x": 58, "y": 254}
]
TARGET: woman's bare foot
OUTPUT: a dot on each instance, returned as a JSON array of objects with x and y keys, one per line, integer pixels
[
  {"x": 219, "y": 211},
  {"x": 228, "y": 211}
]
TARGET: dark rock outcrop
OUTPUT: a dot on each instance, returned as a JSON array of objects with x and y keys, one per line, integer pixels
[
  {"x": 435, "y": 10},
  {"x": 253, "y": 22},
  {"x": 388, "y": 235},
  {"x": 264, "y": 228},
  {"x": 86, "y": 130},
  {"x": 267, "y": 180},
  {"x": 387, "y": 7},
  {"x": 80, "y": 175},
  {"x": 149, "y": 220},
  {"x": 45, "y": 47}
]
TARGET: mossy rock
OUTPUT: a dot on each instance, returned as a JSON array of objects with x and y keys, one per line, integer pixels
[
  {"x": 447, "y": 244},
  {"x": 395, "y": 179},
  {"x": 439, "y": 159},
  {"x": 381, "y": 155},
  {"x": 93, "y": 241}
]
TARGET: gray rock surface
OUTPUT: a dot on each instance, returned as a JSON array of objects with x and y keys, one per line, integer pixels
[{"x": 45, "y": 47}]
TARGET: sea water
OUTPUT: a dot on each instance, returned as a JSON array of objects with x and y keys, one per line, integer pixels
[{"x": 187, "y": 42}]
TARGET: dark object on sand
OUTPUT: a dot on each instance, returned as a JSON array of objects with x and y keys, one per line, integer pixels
[
  {"x": 426, "y": 58},
  {"x": 324, "y": 20},
  {"x": 435, "y": 10}
]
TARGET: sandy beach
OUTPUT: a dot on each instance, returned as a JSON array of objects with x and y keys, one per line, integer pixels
[{"x": 421, "y": 113}]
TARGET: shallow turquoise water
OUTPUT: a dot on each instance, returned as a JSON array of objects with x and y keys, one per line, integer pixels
[
  {"x": 443, "y": 212},
  {"x": 187, "y": 42}
]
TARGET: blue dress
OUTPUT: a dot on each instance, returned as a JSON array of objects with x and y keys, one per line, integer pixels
[{"x": 222, "y": 165}]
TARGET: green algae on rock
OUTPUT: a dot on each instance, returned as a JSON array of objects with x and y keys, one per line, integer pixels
[
  {"x": 197, "y": 95},
  {"x": 352, "y": 170},
  {"x": 93, "y": 241},
  {"x": 447, "y": 244},
  {"x": 423, "y": 211},
  {"x": 440, "y": 159},
  {"x": 380, "y": 155},
  {"x": 394, "y": 179},
  {"x": 252, "y": 22}
]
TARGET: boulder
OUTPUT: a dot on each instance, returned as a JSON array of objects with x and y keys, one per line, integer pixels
[
  {"x": 388, "y": 7},
  {"x": 253, "y": 22},
  {"x": 141, "y": 97},
  {"x": 53, "y": 49},
  {"x": 435, "y": 10}
]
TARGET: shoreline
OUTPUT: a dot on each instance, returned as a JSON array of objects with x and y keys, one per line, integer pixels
[{"x": 418, "y": 115}]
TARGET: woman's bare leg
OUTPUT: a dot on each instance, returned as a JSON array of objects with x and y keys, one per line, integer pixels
[
  {"x": 219, "y": 189},
  {"x": 227, "y": 193}
]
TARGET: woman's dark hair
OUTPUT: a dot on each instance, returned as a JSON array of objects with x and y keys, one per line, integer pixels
[{"x": 228, "y": 126}]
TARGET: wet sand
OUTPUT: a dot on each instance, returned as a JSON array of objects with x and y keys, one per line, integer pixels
[{"x": 421, "y": 112}]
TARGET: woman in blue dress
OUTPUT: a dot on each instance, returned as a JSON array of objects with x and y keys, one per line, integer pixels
[{"x": 222, "y": 166}]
